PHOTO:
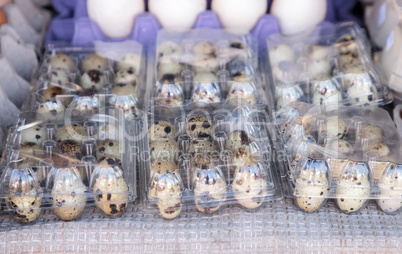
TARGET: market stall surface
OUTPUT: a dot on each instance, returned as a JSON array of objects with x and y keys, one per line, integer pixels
[{"x": 279, "y": 227}]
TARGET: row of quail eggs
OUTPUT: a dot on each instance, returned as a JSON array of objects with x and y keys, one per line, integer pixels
[
  {"x": 324, "y": 74},
  {"x": 65, "y": 179},
  {"x": 202, "y": 169},
  {"x": 206, "y": 72}
]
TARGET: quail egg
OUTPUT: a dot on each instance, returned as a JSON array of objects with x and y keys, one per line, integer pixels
[
  {"x": 371, "y": 132},
  {"x": 166, "y": 192},
  {"x": 202, "y": 146},
  {"x": 312, "y": 185},
  {"x": 166, "y": 149},
  {"x": 317, "y": 52},
  {"x": 249, "y": 185},
  {"x": 362, "y": 89},
  {"x": 161, "y": 129},
  {"x": 53, "y": 110},
  {"x": 62, "y": 61},
  {"x": 70, "y": 148},
  {"x": 379, "y": 150},
  {"x": 94, "y": 61},
  {"x": 68, "y": 194},
  {"x": 125, "y": 83},
  {"x": 336, "y": 128},
  {"x": 110, "y": 190},
  {"x": 237, "y": 139},
  {"x": 206, "y": 88},
  {"x": 281, "y": 53},
  {"x": 93, "y": 80},
  {"x": 353, "y": 187},
  {"x": 108, "y": 147},
  {"x": 199, "y": 127},
  {"x": 73, "y": 131},
  {"x": 168, "y": 48},
  {"x": 33, "y": 135},
  {"x": 59, "y": 77},
  {"x": 390, "y": 187},
  {"x": 209, "y": 189},
  {"x": 168, "y": 66},
  {"x": 326, "y": 92},
  {"x": 129, "y": 61}
]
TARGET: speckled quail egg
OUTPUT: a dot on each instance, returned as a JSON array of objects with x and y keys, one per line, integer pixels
[
  {"x": 203, "y": 146},
  {"x": 163, "y": 167},
  {"x": 24, "y": 200},
  {"x": 125, "y": 83},
  {"x": 68, "y": 194},
  {"x": 286, "y": 74},
  {"x": 205, "y": 48},
  {"x": 168, "y": 93},
  {"x": 166, "y": 191},
  {"x": 379, "y": 150},
  {"x": 62, "y": 61},
  {"x": 281, "y": 53},
  {"x": 390, "y": 187},
  {"x": 353, "y": 187},
  {"x": 209, "y": 189},
  {"x": 168, "y": 48},
  {"x": 108, "y": 147},
  {"x": 206, "y": 88},
  {"x": 59, "y": 77},
  {"x": 53, "y": 110},
  {"x": 129, "y": 61},
  {"x": 239, "y": 66},
  {"x": 93, "y": 80},
  {"x": 199, "y": 126},
  {"x": 110, "y": 190},
  {"x": 166, "y": 149},
  {"x": 205, "y": 63},
  {"x": 336, "y": 128},
  {"x": 242, "y": 91},
  {"x": 362, "y": 89},
  {"x": 70, "y": 148},
  {"x": 326, "y": 92},
  {"x": 242, "y": 157},
  {"x": 73, "y": 131},
  {"x": 371, "y": 132},
  {"x": 350, "y": 60},
  {"x": 237, "y": 139},
  {"x": 94, "y": 61},
  {"x": 33, "y": 135},
  {"x": 250, "y": 186},
  {"x": 161, "y": 129}
]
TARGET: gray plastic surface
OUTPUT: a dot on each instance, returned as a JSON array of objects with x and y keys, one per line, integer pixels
[{"x": 277, "y": 228}]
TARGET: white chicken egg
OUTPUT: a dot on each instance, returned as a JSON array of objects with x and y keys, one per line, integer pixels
[
  {"x": 295, "y": 16},
  {"x": 103, "y": 13},
  {"x": 177, "y": 14},
  {"x": 239, "y": 16}
]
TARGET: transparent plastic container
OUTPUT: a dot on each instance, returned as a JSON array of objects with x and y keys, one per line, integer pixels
[
  {"x": 333, "y": 65},
  {"x": 68, "y": 165},
  {"x": 350, "y": 155}
]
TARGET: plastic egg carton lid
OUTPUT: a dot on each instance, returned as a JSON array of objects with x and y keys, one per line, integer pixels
[{"x": 279, "y": 227}]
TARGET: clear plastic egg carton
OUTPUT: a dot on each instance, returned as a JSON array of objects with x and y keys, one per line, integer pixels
[
  {"x": 331, "y": 65},
  {"x": 204, "y": 67},
  {"x": 204, "y": 159},
  {"x": 350, "y": 155},
  {"x": 66, "y": 166},
  {"x": 90, "y": 77}
]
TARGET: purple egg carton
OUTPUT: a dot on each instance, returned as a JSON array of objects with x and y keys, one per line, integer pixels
[{"x": 74, "y": 26}]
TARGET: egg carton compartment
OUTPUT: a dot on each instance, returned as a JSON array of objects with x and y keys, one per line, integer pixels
[
  {"x": 331, "y": 65},
  {"x": 203, "y": 159},
  {"x": 69, "y": 165},
  {"x": 204, "y": 66},
  {"x": 92, "y": 76},
  {"x": 350, "y": 155}
]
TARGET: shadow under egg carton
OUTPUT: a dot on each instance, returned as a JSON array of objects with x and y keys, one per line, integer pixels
[
  {"x": 205, "y": 159},
  {"x": 204, "y": 66},
  {"x": 333, "y": 65},
  {"x": 350, "y": 154},
  {"x": 67, "y": 166}
]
